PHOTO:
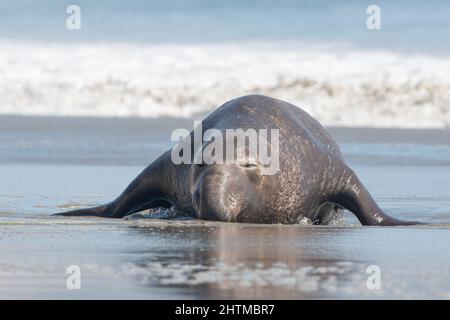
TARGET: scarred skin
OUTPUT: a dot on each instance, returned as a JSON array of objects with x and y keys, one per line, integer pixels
[{"x": 313, "y": 181}]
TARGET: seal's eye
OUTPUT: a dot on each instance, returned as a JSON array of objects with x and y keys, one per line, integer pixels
[{"x": 248, "y": 165}]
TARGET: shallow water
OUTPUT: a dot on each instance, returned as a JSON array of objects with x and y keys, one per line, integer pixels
[
  {"x": 407, "y": 173},
  {"x": 190, "y": 259}
]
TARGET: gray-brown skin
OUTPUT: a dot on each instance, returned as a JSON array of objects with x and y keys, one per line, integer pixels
[{"x": 313, "y": 181}]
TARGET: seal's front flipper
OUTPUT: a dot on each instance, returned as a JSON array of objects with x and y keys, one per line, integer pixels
[
  {"x": 100, "y": 211},
  {"x": 147, "y": 190},
  {"x": 355, "y": 198}
]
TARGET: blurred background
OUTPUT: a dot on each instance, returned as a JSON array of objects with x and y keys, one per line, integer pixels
[{"x": 183, "y": 58}]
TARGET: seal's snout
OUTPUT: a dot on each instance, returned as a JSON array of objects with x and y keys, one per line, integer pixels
[{"x": 217, "y": 196}]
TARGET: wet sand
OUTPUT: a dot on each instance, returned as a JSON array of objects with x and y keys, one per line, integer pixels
[
  {"x": 190, "y": 259},
  {"x": 50, "y": 164}
]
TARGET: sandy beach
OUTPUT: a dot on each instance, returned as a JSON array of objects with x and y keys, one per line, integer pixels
[{"x": 51, "y": 164}]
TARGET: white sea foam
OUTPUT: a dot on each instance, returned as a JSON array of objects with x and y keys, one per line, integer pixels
[{"x": 343, "y": 86}]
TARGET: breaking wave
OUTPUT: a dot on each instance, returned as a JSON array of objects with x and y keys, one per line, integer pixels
[{"x": 340, "y": 86}]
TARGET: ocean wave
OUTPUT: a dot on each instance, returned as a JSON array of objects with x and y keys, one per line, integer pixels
[{"x": 338, "y": 86}]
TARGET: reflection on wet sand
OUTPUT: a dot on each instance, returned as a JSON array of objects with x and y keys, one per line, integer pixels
[
  {"x": 227, "y": 260},
  {"x": 192, "y": 259}
]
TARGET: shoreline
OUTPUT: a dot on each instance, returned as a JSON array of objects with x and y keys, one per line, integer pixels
[{"x": 16, "y": 124}]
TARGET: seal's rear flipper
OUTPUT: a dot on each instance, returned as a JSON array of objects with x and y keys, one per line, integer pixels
[{"x": 355, "y": 198}]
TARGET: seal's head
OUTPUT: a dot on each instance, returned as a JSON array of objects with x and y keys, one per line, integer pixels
[
  {"x": 225, "y": 191},
  {"x": 228, "y": 190}
]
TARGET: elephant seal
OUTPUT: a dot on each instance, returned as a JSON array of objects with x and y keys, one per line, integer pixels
[{"x": 312, "y": 182}]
